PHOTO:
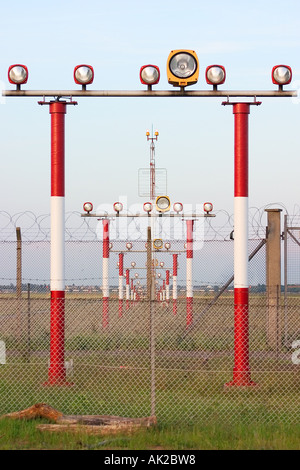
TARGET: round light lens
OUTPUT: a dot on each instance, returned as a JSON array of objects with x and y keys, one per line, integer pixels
[
  {"x": 215, "y": 75},
  {"x": 163, "y": 203},
  {"x": 207, "y": 207},
  {"x": 83, "y": 74},
  {"x": 178, "y": 207},
  {"x": 282, "y": 74},
  {"x": 18, "y": 74},
  {"x": 167, "y": 245},
  {"x": 147, "y": 207},
  {"x": 110, "y": 246},
  {"x": 133, "y": 264},
  {"x": 118, "y": 206},
  {"x": 162, "y": 264},
  {"x": 129, "y": 245},
  {"x": 149, "y": 75},
  {"x": 88, "y": 206},
  {"x": 158, "y": 243},
  {"x": 183, "y": 65}
]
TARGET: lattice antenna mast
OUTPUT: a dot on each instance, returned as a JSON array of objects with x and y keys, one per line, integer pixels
[{"x": 152, "y": 140}]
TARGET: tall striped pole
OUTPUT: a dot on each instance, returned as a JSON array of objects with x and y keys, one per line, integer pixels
[
  {"x": 105, "y": 273},
  {"x": 175, "y": 266},
  {"x": 167, "y": 285},
  {"x": 127, "y": 289},
  {"x": 121, "y": 276},
  {"x": 241, "y": 370},
  {"x": 189, "y": 273},
  {"x": 57, "y": 371}
]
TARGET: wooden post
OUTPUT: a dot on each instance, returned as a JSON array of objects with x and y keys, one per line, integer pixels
[{"x": 273, "y": 279}]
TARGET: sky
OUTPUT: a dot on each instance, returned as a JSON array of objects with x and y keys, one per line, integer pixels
[{"x": 106, "y": 141}]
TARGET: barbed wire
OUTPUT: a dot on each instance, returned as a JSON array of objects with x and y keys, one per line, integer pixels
[{"x": 79, "y": 229}]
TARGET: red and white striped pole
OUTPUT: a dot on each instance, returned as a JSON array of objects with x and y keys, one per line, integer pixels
[
  {"x": 241, "y": 370},
  {"x": 57, "y": 371},
  {"x": 167, "y": 286},
  {"x": 121, "y": 276},
  {"x": 105, "y": 273},
  {"x": 127, "y": 289},
  {"x": 189, "y": 273},
  {"x": 175, "y": 266}
]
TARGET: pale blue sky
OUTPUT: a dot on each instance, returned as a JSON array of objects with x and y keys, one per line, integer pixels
[{"x": 105, "y": 137}]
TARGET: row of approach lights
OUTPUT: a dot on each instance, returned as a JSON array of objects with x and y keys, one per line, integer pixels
[
  {"x": 182, "y": 70},
  {"x": 163, "y": 204}
]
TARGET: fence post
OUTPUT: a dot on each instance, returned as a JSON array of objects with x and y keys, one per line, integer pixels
[
  {"x": 273, "y": 278},
  {"x": 19, "y": 281}
]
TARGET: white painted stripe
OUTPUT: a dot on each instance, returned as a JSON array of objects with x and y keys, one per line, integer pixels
[
  {"x": 127, "y": 292},
  {"x": 105, "y": 285},
  {"x": 57, "y": 256},
  {"x": 120, "y": 287},
  {"x": 241, "y": 242},
  {"x": 189, "y": 277},
  {"x": 167, "y": 292},
  {"x": 174, "y": 287}
]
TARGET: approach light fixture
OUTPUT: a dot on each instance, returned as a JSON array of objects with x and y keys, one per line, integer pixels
[
  {"x": 215, "y": 75},
  {"x": 167, "y": 245},
  {"x": 88, "y": 207},
  {"x": 178, "y": 207},
  {"x": 110, "y": 246},
  {"x": 128, "y": 245},
  {"x": 133, "y": 264},
  {"x": 281, "y": 75},
  {"x": 149, "y": 75},
  {"x": 18, "y": 75},
  {"x": 118, "y": 207},
  {"x": 162, "y": 264},
  {"x": 157, "y": 244},
  {"x": 83, "y": 75},
  {"x": 207, "y": 207},
  {"x": 163, "y": 203},
  {"x": 182, "y": 68},
  {"x": 147, "y": 207}
]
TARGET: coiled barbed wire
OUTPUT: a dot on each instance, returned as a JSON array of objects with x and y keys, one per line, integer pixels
[{"x": 37, "y": 227}]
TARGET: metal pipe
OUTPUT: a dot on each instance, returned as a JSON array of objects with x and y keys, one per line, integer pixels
[
  {"x": 241, "y": 370},
  {"x": 57, "y": 371},
  {"x": 105, "y": 273},
  {"x": 189, "y": 273},
  {"x": 121, "y": 276},
  {"x": 152, "y": 93}
]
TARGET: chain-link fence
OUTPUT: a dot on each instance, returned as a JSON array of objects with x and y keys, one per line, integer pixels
[{"x": 138, "y": 355}]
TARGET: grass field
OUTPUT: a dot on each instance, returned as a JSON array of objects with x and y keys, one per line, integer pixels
[
  {"x": 113, "y": 372},
  {"x": 21, "y": 435}
]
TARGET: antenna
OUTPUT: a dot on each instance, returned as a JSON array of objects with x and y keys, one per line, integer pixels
[{"x": 152, "y": 161}]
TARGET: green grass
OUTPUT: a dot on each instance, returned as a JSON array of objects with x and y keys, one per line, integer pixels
[{"x": 22, "y": 435}]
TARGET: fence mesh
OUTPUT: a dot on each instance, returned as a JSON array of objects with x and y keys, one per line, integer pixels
[{"x": 133, "y": 356}]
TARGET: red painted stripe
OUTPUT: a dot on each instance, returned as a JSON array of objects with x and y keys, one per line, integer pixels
[
  {"x": 127, "y": 276},
  {"x": 241, "y": 329},
  {"x": 121, "y": 257},
  {"x": 241, "y": 112},
  {"x": 167, "y": 277},
  {"x": 189, "y": 239},
  {"x": 105, "y": 238},
  {"x": 57, "y": 111},
  {"x": 57, "y": 372},
  {"x": 175, "y": 265}
]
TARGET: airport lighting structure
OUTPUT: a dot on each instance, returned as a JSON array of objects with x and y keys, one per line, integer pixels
[{"x": 182, "y": 71}]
